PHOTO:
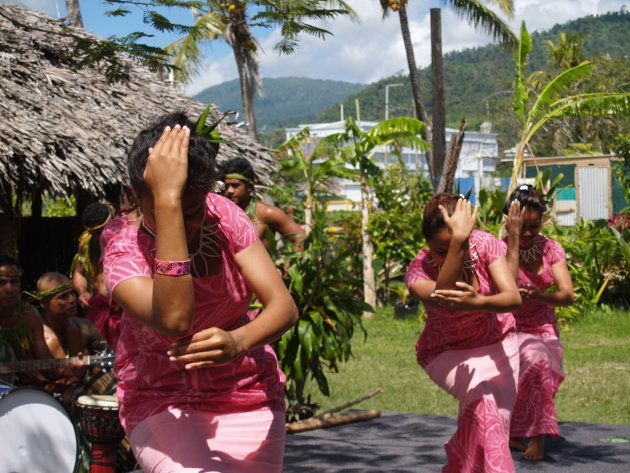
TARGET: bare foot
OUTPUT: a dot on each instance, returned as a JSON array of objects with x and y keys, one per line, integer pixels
[
  {"x": 517, "y": 444},
  {"x": 535, "y": 448}
]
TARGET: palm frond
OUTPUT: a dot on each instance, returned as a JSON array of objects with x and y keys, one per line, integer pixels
[
  {"x": 185, "y": 52},
  {"x": 186, "y": 58},
  {"x": 520, "y": 59},
  {"x": 550, "y": 93},
  {"x": 506, "y": 6},
  {"x": 594, "y": 104},
  {"x": 484, "y": 19},
  {"x": 398, "y": 124}
]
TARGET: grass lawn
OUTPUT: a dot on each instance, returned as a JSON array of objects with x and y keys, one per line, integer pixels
[{"x": 597, "y": 364}]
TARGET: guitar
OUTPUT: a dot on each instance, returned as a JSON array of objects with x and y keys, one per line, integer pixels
[{"x": 103, "y": 361}]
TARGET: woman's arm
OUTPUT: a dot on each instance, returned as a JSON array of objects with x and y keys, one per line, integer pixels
[
  {"x": 466, "y": 298},
  {"x": 214, "y": 346},
  {"x": 165, "y": 303},
  {"x": 423, "y": 289},
  {"x": 513, "y": 225},
  {"x": 460, "y": 225},
  {"x": 562, "y": 297},
  {"x": 80, "y": 283}
]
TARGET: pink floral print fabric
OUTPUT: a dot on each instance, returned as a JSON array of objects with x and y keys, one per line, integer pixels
[
  {"x": 454, "y": 330},
  {"x": 149, "y": 382},
  {"x": 540, "y": 351}
]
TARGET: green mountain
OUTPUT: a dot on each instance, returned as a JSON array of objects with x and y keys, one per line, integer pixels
[
  {"x": 286, "y": 100},
  {"x": 478, "y": 81}
]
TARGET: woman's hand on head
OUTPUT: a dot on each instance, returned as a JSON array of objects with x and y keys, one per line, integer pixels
[
  {"x": 208, "y": 347},
  {"x": 463, "y": 220},
  {"x": 514, "y": 219},
  {"x": 167, "y": 166}
]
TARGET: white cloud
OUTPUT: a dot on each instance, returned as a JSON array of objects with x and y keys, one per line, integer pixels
[{"x": 373, "y": 49}]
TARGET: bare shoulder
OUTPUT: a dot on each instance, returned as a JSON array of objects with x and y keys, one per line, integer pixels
[
  {"x": 32, "y": 317},
  {"x": 269, "y": 213}
]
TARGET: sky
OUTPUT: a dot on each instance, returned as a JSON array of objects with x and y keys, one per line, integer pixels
[{"x": 361, "y": 52}]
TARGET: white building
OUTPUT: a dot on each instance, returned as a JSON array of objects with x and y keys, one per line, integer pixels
[{"x": 477, "y": 159}]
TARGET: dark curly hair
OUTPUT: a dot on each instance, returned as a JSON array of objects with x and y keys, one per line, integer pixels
[
  {"x": 433, "y": 222},
  {"x": 528, "y": 197},
  {"x": 238, "y": 166},
  {"x": 202, "y": 169}
]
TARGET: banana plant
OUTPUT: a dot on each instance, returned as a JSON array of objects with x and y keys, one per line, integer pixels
[
  {"x": 358, "y": 148},
  {"x": 318, "y": 173},
  {"x": 534, "y": 112}
]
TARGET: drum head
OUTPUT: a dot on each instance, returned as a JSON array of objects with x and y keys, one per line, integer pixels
[{"x": 36, "y": 434}]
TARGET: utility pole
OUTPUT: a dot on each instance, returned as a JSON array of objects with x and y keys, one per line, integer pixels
[{"x": 437, "y": 78}]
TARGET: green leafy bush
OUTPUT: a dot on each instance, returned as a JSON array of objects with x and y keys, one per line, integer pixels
[{"x": 325, "y": 288}]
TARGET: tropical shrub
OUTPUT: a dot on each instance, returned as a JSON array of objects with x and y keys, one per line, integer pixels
[
  {"x": 329, "y": 306},
  {"x": 596, "y": 264},
  {"x": 395, "y": 223}
]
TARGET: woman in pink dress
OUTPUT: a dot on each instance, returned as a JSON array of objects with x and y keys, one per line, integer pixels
[
  {"x": 537, "y": 262},
  {"x": 468, "y": 346},
  {"x": 200, "y": 389}
]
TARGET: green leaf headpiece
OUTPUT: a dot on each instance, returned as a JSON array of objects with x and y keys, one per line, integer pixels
[{"x": 211, "y": 132}]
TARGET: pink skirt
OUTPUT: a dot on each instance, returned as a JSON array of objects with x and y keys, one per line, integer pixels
[
  {"x": 484, "y": 380},
  {"x": 198, "y": 441},
  {"x": 541, "y": 375}
]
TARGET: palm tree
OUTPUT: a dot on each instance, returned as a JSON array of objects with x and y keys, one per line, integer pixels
[
  {"x": 230, "y": 20},
  {"x": 74, "y": 13},
  {"x": 476, "y": 13},
  {"x": 357, "y": 148},
  {"x": 535, "y": 112},
  {"x": 567, "y": 52}
]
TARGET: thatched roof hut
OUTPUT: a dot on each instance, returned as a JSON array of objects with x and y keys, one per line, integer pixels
[{"x": 67, "y": 129}]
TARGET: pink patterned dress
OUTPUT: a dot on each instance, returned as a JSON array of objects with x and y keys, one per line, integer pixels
[
  {"x": 540, "y": 351},
  {"x": 150, "y": 383},
  {"x": 474, "y": 357}
]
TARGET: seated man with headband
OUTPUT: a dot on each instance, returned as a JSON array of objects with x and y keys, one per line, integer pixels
[
  {"x": 65, "y": 334},
  {"x": 238, "y": 177}
]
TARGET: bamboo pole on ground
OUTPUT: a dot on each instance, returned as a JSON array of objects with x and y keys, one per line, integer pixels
[{"x": 327, "y": 419}]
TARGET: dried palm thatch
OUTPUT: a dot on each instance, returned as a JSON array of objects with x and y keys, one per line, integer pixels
[{"x": 67, "y": 128}]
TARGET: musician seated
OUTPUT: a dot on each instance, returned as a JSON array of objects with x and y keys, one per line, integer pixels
[
  {"x": 21, "y": 328},
  {"x": 66, "y": 335}
]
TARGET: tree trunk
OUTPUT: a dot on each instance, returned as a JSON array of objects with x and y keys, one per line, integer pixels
[
  {"x": 438, "y": 131},
  {"x": 308, "y": 210},
  {"x": 247, "y": 92},
  {"x": 517, "y": 166},
  {"x": 369, "y": 284},
  {"x": 74, "y": 13},
  {"x": 416, "y": 87}
]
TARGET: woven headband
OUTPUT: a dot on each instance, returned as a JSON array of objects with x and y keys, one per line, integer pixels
[
  {"x": 11, "y": 273},
  {"x": 50, "y": 292},
  {"x": 236, "y": 175},
  {"x": 100, "y": 225}
]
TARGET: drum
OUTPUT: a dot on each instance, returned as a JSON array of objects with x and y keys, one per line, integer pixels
[
  {"x": 98, "y": 415},
  {"x": 36, "y": 433},
  {"x": 101, "y": 382}
]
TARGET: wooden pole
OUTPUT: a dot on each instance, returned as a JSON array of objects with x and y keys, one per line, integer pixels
[{"x": 437, "y": 93}]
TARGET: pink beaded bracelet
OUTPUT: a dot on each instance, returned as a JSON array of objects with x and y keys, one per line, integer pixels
[{"x": 172, "y": 268}]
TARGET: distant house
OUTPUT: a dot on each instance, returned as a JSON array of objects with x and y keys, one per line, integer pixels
[
  {"x": 477, "y": 159},
  {"x": 588, "y": 189}
]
